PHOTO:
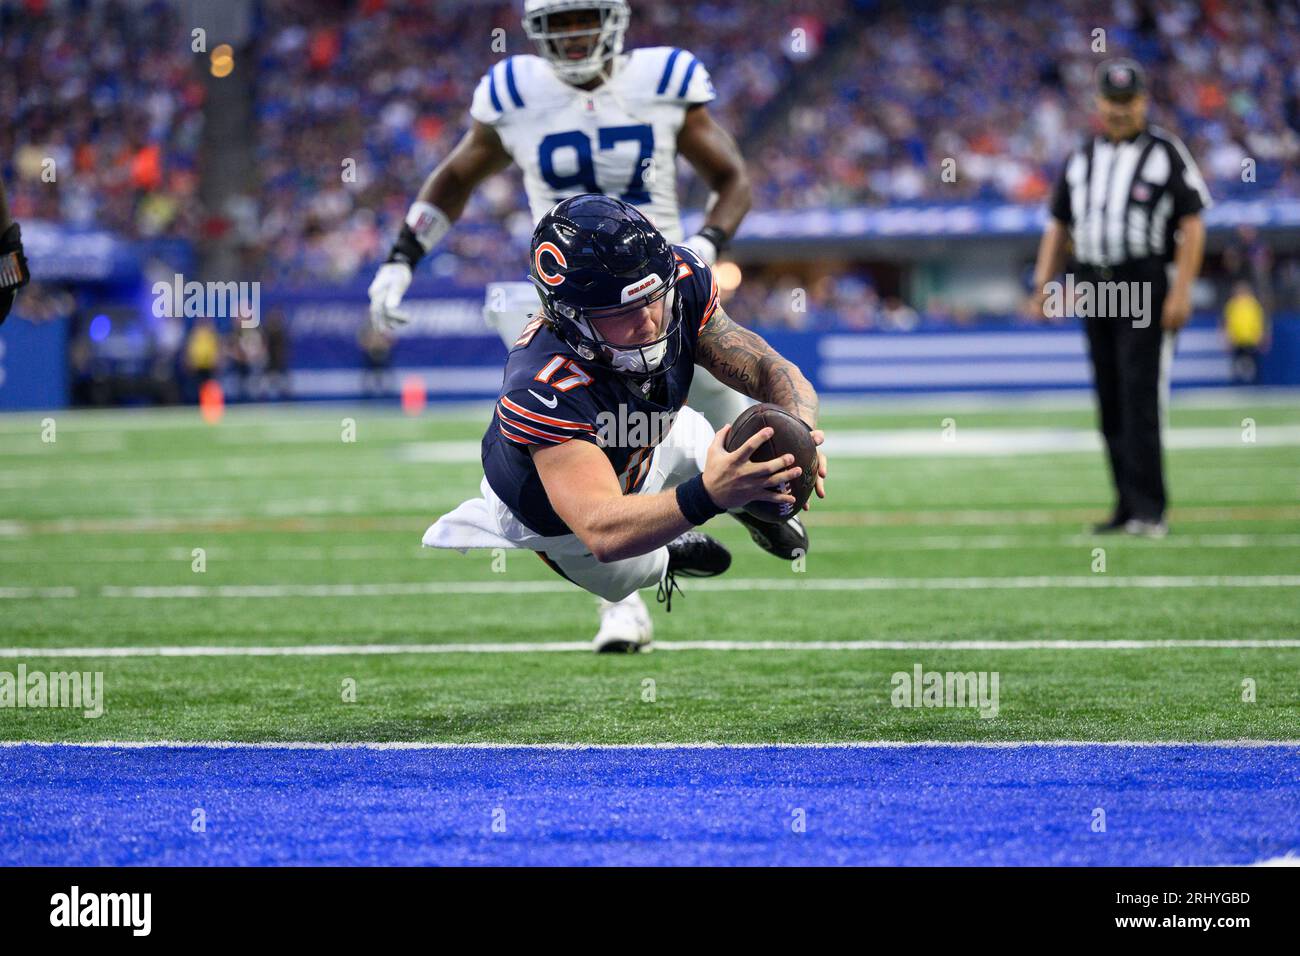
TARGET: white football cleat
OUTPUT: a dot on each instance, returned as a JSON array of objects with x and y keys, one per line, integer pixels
[{"x": 625, "y": 627}]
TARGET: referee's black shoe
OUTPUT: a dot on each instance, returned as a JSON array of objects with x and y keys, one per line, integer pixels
[
  {"x": 1116, "y": 525},
  {"x": 786, "y": 539}
]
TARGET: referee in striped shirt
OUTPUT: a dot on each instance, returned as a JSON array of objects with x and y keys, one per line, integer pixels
[{"x": 1128, "y": 202}]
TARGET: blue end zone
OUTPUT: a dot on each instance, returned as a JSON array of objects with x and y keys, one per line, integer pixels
[{"x": 1182, "y": 804}]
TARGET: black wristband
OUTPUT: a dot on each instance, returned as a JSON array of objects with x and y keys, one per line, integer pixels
[
  {"x": 407, "y": 248},
  {"x": 13, "y": 264},
  {"x": 11, "y": 239},
  {"x": 715, "y": 235},
  {"x": 692, "y": 497}
]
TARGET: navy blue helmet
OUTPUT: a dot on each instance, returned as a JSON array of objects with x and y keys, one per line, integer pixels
[{"x": 594, "y": 256}]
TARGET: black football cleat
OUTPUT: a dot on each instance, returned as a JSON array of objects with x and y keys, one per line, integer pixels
[
  {"x": 786, "y": 539},
  {"x": 695, "y": 555}
]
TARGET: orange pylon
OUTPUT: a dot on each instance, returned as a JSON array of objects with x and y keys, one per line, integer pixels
[
  {"x": 414, "y": 397},
  {"x": 212, "y": 403}
]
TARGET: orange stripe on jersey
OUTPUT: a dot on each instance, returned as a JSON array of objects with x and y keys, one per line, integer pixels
[
  {"x": 633, "y": 478},
  {"x": 713, "y": 300},
  {"x": 640, "y": 476},
  {"x": 708, "y": 313},
  {"x": 529, "y": 430},
  {"x": 544, "y": 419},
  {"x": 529, "y": 331},
  {"x": 501, "y": 427}
]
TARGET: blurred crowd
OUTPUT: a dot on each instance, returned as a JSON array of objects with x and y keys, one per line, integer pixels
[
  {"x": 1004, "y": 90},
  {"x": 388, "y": 85},
  {"x": 358, "y": 99},
  {"x": 102, "y": 115}
]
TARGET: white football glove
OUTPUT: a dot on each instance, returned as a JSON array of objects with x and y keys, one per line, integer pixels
[
  {"x": 386, "y": 291},
  {"x": 703, "y": 247}
]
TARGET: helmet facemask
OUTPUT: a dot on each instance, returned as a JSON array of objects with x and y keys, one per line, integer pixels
[
  {"x": 605, "y": 40},
  {"x": 640, "y": 362}
]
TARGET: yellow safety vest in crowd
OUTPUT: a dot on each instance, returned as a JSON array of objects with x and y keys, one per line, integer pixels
[{"x": 1244, "y": 320}]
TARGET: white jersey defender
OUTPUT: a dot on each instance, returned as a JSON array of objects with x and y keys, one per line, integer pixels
[{"x": 619, "y": 139}]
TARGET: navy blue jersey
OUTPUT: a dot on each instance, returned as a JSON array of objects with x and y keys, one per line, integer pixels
[{"x": 550, "y": 395}]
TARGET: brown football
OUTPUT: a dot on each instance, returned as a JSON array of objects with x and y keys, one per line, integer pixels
[{"x": 791, "y": 437}]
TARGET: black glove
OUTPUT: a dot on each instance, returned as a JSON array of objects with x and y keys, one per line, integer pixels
[{"x": 13, "y": 268}]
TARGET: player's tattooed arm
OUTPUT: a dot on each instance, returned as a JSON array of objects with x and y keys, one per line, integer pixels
[{"x": 742, "y": 360}]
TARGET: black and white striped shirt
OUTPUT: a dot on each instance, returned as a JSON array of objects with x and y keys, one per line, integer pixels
[{"x": 1122, "y": 201}]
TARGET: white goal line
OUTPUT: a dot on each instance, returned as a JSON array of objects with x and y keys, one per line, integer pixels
[
  {"x": 659, "y": 745},
  {"x": 544, "y": 647},
  {"x": 796, "y": 582}
]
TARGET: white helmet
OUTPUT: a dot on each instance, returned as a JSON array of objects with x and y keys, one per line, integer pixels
[{"x": 606, "y": 39}]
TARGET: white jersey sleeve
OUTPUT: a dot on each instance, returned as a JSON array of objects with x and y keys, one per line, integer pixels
[
  {"x": 683, "y": 79},
  {"x": 497, "y": 94}
]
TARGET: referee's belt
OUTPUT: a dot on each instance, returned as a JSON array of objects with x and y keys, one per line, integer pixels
[{"x": 1105, "y": 273}]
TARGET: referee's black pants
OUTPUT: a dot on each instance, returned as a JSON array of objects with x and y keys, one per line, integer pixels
[{"x": 1126, "y": 353}]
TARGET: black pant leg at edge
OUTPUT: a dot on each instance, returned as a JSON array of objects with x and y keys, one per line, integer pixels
[
  {"x": 1103, "y": 352},
  {"x": 1139, "y": 352}
]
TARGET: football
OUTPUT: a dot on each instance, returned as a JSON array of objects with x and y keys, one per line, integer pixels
[{"x": 792, "y": 437}]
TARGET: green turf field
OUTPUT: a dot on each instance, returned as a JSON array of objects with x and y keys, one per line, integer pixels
[{"x": 308, "y": 539}]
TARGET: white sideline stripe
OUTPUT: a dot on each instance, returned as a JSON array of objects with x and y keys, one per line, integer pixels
[
  {"x": 415, "y": 588},
  {"x": 663, "y": 745},
  {"x": 738, "y": 584},
  {"x": 552, "y": 647},
  {"x": 18, "y": 593},
  {"x": 930, "y": 442}
]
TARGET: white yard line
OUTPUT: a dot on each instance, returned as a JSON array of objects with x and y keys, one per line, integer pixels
[
  {"x": 553, "y": 647},
  {"x": 666, "y": 745},
  {"x": 873, "y": 445},
  {"x": 217, "y": 521},
  {"x": 792, "y": 583},
  {"x": 406, "y": 552}
]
